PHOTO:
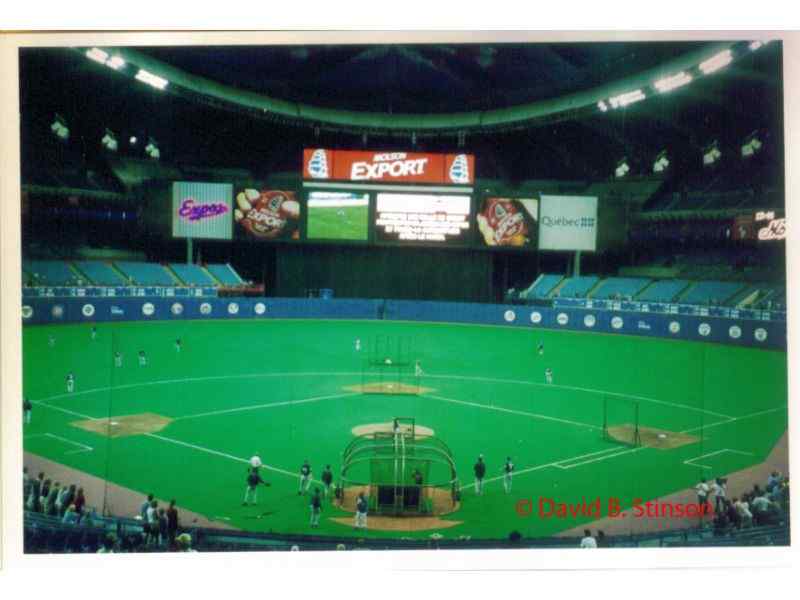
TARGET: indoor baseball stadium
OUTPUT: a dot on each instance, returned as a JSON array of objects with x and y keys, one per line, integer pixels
[{"x": 403, "y": 296}]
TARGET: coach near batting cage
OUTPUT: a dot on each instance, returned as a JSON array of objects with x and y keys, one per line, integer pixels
[{"x": 402, "y": 470}]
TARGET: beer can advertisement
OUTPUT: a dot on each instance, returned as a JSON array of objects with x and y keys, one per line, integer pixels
[
  {"x": 508, "y": 222},
  {"x": 266, "y": 215}
]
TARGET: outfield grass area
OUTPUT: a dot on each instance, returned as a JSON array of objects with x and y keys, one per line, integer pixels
[
  {"x": 280, "y": 388},
  {"x": 337, "y": 222}
]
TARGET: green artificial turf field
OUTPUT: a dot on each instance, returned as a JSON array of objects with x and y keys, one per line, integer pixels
[
  {"x": 337, "y": 223},
  {"x": 276, "y": 387}
]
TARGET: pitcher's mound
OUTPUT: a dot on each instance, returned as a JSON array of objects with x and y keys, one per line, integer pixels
[
  {"x": 651, "y": 437},
  {"x": 127, "y": 425},
  {"x": 389, "y": 387}
]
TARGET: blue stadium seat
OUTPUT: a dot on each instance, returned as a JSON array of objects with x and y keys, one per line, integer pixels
[
  {"x": 100, "y": 273},
  {"x": 192, "y": 274},
  {"x": 711, "y": 292},
  {"x": 578, "y": 287},
  {"x": 51, "y": 272},
  {"x": 146, "y": 273},
  {"x": 620, "y": 287},
  {"x": 666, "y": 290},
  {"x": 225, "y": 274},
  {"x": 540, "y": 288}
]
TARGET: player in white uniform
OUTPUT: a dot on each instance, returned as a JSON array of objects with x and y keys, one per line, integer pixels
[
  {"x": 178, "y": 345},
  {"x": 117, "y": 359},
  {"x": 540, "y": 349},
  {"x": 70, "y": 383},
  {"x": 51, "y": 341},
  {"x": 548, "y": 376},
  {"x": 94, "y": 332},
  {"x": 142, "y": 359},
  {"x": 508, "y": 470},
  {"x": 358, "y": 344},
  {"x": 255, "y": 462},
  {"x": 418, "y": 369},
  {"x": 305, "y": 478}
]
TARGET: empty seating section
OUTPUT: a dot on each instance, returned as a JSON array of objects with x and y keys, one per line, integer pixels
[
  {"x": 146, "y": 273},
  {"x": 711, "y": 292},
  {"x": 620, "y": 287},
  {"x": 51, "y": 272},
  {"x": 542, "y": 287},
  {"x": 666, "y": 290},
  {"x": 225, "y": 274},
  {"x": 192, "y": 274},
  {"x": 100, "y": 273},
  {"x": 577, "y": 287}
]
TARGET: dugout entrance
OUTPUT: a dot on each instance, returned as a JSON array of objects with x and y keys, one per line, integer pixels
[{"x": 401, "y": 473}]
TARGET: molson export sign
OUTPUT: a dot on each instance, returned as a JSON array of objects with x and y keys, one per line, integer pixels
[{"x": 416, "y": 167}]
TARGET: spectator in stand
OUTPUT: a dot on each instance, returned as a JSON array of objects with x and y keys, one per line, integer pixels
[
  {"x": 151, "y": 524},
  {"x": 27, "y": 483},
  {"x": 33, "y": 498},
  {"x": 70, "y": 516},
  {"x": 184, "y": 543},
  {"x": 80, "y": 502},
  {"x": 764, "y": 511},
  {"x": 172, "y": 523},
  {"x": 588, "y": 541},
  {"x": 743, "y": 509},
  {"x": 720, "y": 490},
  {"x": 773, "y": 480},
  {"x": 602, "y": 542},
  {"x": 733, "y": 516},
  {"x": 144, "y": 507},
  {"x": 52, "y": 497},
  {"x": 108, "y": 545},
  {"x": 43, "y": 494}
]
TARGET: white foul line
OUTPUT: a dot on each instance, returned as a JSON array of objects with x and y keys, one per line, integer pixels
[
  {"x": 83, "y": 447},
  {"x": 512, "y": 411},
  {"x": 715, "y": 453},
  {"x": 259, "y": 406}
]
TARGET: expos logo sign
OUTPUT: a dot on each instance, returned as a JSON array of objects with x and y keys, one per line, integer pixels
[
  {"x": 27, "y": 312},
  {"x": 192, "y": 210},
  {"x": 760, "y": 334},
  {"x": 704, "y": 329}
]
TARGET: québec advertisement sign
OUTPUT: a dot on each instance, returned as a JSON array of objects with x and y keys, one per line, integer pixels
[{"x": 568, "y": 223}]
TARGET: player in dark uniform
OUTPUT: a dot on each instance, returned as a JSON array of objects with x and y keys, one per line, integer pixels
[
  {"x": 327, "y": 480},
  {"x": 253, "y": 479},
  {"x": 26, "y": 410},
  {"x": 480, "y": 472},
  {"x": 540, "y": 349},
  {"x": 178, "y": 345}
]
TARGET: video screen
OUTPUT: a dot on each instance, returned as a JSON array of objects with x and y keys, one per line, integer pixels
[
  {"x": 337, "y": 216},
  {"x": 508, "y": 222},
  {"x": 422, "y": 218},
  {"x": 201, "y": 210},
  {"x": 266, "y": 215}
]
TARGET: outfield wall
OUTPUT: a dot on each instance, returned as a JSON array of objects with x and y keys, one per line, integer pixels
[{"x": 761, "y": 332}]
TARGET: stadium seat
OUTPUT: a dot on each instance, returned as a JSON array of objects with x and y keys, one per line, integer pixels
[
  {"x": 192, "y": 274},
  {"x": 146, "y": 273},
  {"x": 100, "y": 273},
  {"x": 577, "y": 287},
  {"x": 619, "y": 287},
  {"x": 52, "y": 272},
  {"x": 665, "y": 290},
  {"x": 225, "y": 274},
  {"x": 711, "y": 292},
  {"x": 542, "y": 287}
]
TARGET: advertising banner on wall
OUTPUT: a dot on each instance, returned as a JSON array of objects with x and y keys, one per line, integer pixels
[
  {"x": 201, "y": 210},
  {"x": 267, "y": 215},
  {"x": 508, "y": 222},
  {"x": 388, "y": 167},
  {"x": 568, "y": 223}
]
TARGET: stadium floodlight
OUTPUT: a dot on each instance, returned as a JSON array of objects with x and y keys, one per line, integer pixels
[
  {"x": 59, "y": 128},
  {"x": 711, "y": 154},
  {"x": 133, "y": 140},
  {"x": 756, "y": 44},
  {"x": 671, "y": 82},
  {"x": 97, "y": 55},
  {"x": 150, "y": 79},
  {"x": 623, "y": 100},
  {"x": 716, "y": 62},
  {"x": 661, "y": 163},
  {"x": 622, "y": 168},
  {"x": 602, "y": 106},
  {"x": 115, "y": 62},
  {"x": 109, "y": 141},
  {"x": 152, "y": 149},
  {"x": 752, "y": 145}
]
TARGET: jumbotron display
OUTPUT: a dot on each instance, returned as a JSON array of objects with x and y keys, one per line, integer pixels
[{"x": 422, "y": 218}]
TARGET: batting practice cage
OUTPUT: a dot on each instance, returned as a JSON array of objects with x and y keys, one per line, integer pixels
[
  {"x": 621, "y": 420},
  {"x": 389, "y": 366},
  {"x": 400, "y": 471}
]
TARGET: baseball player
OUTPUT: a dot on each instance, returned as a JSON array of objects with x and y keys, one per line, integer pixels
[
  {"x": 70, "y": 383},
  {"x": 418, "y": 369},
  {"x": 480, "y": 471},
  {"x": 361, "y": 512},
  {"x": 548, "y": 376},
  {"x": 51, "y": 341},
  {"x": 255, "y": 462},
  {"x": 94, "y": 332},
  {"x": 26, "y": 410},
  {"x": 142, "y": 359},
  {"x": 540, "y": 349},
  {"x": 316, "y": 508},
  {"x": 253, "y": 479},
  {"x": 117, "y": 359},
  {"x": 508, "y": 470},
  {"x": 178, "y": 345},
  {"x": 358, "y": 344},
  {"x": 305, "y": 478},
  {"x": 327, "y": 480}
]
